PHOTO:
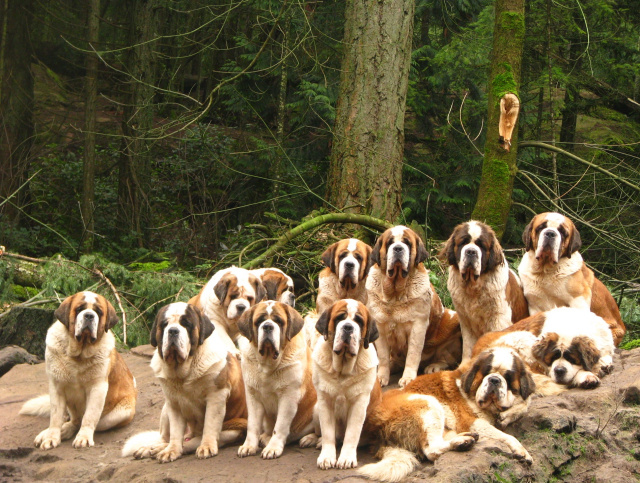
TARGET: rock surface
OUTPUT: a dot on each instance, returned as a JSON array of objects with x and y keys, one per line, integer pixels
[
  {"x": 12, "y": 355},
  {"x": 26, "y": 327},
  {"x": 576, "y": 436}
]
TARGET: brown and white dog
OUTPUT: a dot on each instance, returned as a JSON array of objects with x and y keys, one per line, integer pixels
[
  {"x": 443, "y": 343},
  {"x": 344, "y": 375},
  {"x": 448, "y": 411},
  {"x": 347, "y": 266},
  {"x": 276, "y": 367},
  {"x": 225, "y": 297},
  {"x": 87, "y": 377},
  {"x": 202, "y": 385},
  {"x": 554, "y": 275},
  {"x": 572, "y": 346},
  {"x": 402, "y": 301},
  {"x": 277, "y": 284},
  {"x": 486, "y": 294}
]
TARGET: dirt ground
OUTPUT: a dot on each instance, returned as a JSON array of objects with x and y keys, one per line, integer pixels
[{"x": 20, "y": 461}]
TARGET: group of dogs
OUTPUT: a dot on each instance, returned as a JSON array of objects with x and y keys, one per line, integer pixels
[{"x": 238, "y": 361}]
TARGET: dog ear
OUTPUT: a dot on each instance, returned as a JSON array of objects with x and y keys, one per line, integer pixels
[
  {"x": 111, "y": 317},
  {"x": 421, "y": 251},
  {"x": 372, "y": 333},
  {"x": 468, "y": 378},
  {"x": 63, "y": 312},
  {"x": 527, "y": 384},
  {"x": 526, "y": 237},
  {"x": 587, "y": 351},
  {"x": 375, "y": 253},
  {"x": 448, "y": 252},
  {"x": 329, "y": 258},
  {"x": 295, "y": 322},
  {"x": 206, "y": 326},
  {"x": 545, "y": 345},
  {"x": 575, "y": 243},
  {"x": 367, "y": 261},
  {"x": 322, "y": 325},
  {"x": 221, "y": 288},
  {"x": 261, "y": 292},
  {"x": 153, "y": 340},
  {"x": 495, "y": 256},
  {"x": 245, "y": 323}
]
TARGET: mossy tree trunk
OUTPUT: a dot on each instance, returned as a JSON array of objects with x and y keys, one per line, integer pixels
[
  {"x": 365, "y": 174},
  {"x": 499, "y": 167}
]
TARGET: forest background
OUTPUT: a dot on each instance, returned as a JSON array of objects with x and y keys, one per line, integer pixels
[{"x": 145, "y": 144}]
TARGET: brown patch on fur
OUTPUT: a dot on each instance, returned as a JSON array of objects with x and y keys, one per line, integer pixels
[
  {"x": 326, "y": 324},
  {"x": 333, "y": 255},
  {"x": 417, "y": 254},
  {"x": 231, "y": 376},
  {"x": 304, "y": 415},
  {"x": 275, "y": 284},
  {"x": 122, "y": 391},
  {"x": 72, "y": 305},
  {"x": 516, "y": 299},
  {"x": 604, "y": 305},
  {"x": 543, "y": 349},
  {"x": 585, "y": 351},
  {"x": 443, "y": 325},
  {"x": 571, "y": 242}
]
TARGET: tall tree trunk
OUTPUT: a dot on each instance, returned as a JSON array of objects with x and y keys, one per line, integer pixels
[
  {"x": 87, "y": 205},
  {"x": 282, "y": 100},
  {"x": 16, "y": 102},
  {"x": 134, "y": 177},
  {"x": 499, "y": 166},
  {"x": 365, "y": 174}
]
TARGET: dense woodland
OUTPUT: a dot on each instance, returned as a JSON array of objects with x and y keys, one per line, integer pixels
[{"x": 148, "y": 143}]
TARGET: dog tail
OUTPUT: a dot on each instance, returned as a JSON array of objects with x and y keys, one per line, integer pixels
[
  {"x": 394, "y": 465},
  {"x": 546, "y": 387},
  {"x": 239, "y": 424},
  {"x": 38, "y": 406},
  {"x": 141, "y": 440}
]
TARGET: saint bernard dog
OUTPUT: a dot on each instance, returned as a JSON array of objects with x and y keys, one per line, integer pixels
[
  {"x": 347, "y": 266},
  {"x": 202, "y": 385},
  {"x": 486, "y": 294},
  {"x": 447, "y": 411},
  {"x": 276, "y": 367},
  {"x": 225, "y": 297},
  {"x": 277, "y": 284},
  {"x": 554, "y": 275},
  {"x": 344, "y": 375},
  {"x": 88, "y": 379},
  {"x": 572, "y": 346},
  {"x": 443, "y": 343},
  {"x": 402, "y": 301}
]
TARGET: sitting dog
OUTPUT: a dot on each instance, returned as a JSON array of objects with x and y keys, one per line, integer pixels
[
  {"x": 225, "y": 297},
  {"x": 277, "y": 284},
  {"x": 344, "y": 375},
  {"x": 402, "y": 301},
  {"x": 202, "y": 385},
  {"x": 276, "y": 367},
  {"x": 448, "y": 411},
  {"x": 554, "y": 275},
  {"x": 88, "y": 379},
  {"x": 487, "y": 295},
  {"x": 572, "y": 346}
]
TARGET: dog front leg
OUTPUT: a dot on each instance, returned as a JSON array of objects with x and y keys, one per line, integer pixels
[
  {"x": 177, "y": 428},
  {"x": 94, "y": 406},
  {"x": 50, "y": 437},
  {"x": 355, "y": 419},
  {"x": 326, "y": 414},
  {"x": 287, "y": 408},
  {"x": 384, "y": 356},
  {"x": 414, "y": 350},
  {"x": 255, "y": 411},
  {"x": 213, "y": 419},
  {"x": 485, "y": 429}
]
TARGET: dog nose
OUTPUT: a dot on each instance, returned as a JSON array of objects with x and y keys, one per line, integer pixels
[
  {"x": 397, "y": 248},
  {"x": 550, "y": 234},
  {"x": 494, "y": 380},
  {"x": 241, "y": 308},
  {"x": 349, "y": 265},
  {"x": 560, "y": 372},
  {"x": 472, "y": 253},
  {"x": 174, "y": 331},
  {"x": 348, "y": 328},
  {"x": 267, "y": 327},
  {"x": 88, "y": 316}
]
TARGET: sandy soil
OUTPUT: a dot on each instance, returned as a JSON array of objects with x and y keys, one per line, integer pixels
[{"x": 20, "y": 461}]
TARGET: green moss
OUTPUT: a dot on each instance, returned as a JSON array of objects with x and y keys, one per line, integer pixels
[
  {"x": 23, "y": 293},
  {"x": 513, "y": 21},
  {"x": 503, "y": 83}
]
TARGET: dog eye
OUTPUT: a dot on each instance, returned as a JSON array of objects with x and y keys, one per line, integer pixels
[
  {"x": 562, "y": 230},
  {"x": 358, "y": 257},
  {"x": 407, "y": 242},
  {"x": 556, "y": 354},
  {"x": 508, "y": 376},
  {"x": 358, "y": 320},
  {"x": 233, "y": 297},
  {"x": 250, "y": 299},
  {"x": 342, "y": 255},
  {"x": 99, "y": 312}
]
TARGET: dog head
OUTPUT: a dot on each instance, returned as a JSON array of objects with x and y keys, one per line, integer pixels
[
  {"x": 347, "y": 324},
  {"x": 277, "y": 284},
  {"x": 551, "y": 236},
  {"x": 497, "y": 379},
  {"x": 87, "y": 316},
  {"x": 178, "y": 330},
  {"x": 473, "y": 249},
  {"x": 397, "y": 251},
  {"x": 564, "y": 357},
  {"x": 237, "y": 290},
  {"x": 349, "y": 261},
  {"x": 269, "y": 326}
]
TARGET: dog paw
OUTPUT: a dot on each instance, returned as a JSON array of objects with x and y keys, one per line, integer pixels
[
  {"x": 405, "y": 381},
  {"x": 84, "y": 439},
  {"x": 436, "y": 367},
  {"x": 247, "y": 450},
  {"x": 169, "y": 454},
  {"x": 272, "y": 451},
  {"x": 589, "y": 381},
  {"x": 383, "y": 376},
  {"x": 309, "y": 440},
  {"x": 47, "y": 439},
  {"x": 464, "y": 441},
  {"x": 523, "y": 455},
  {"x": 327, "y": 459},
  {"x": 207, "y": 450},
  {"x": 68, "y": 430},
  {"x": 348, "y": 460}
]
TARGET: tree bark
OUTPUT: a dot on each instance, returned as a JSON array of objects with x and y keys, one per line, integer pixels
[
  {"x": 499, "y": 166},
  {"x": 365, "y": 173},
  {"x": 134, "y": 176},
  {"x": 16, "y": 102},
  {"x": 87, "y": 205}
]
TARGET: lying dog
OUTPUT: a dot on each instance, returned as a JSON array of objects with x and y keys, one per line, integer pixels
[
  {"x": 87, "y": 377},
  {"x": 448, "y": 411},
  {"x": 487, "y": 295},
  {"x": 202, "y": 385},
  {"x": 572, "y": 346},
  {"x": 276, "y": 367},
  {"x": 344, "y": 375},
  {"x": 402, "y": 301},
  {"x": 554, "y": 275}
]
